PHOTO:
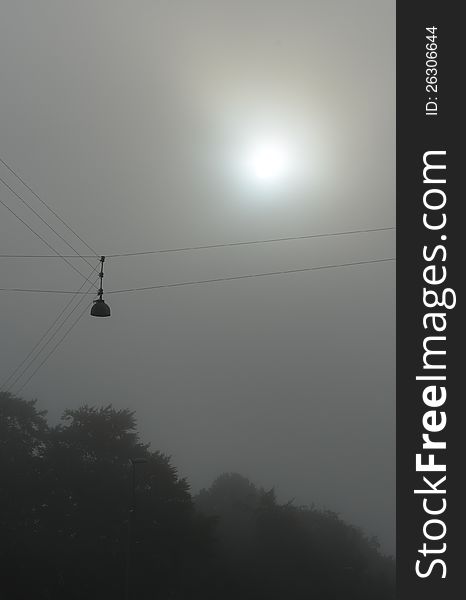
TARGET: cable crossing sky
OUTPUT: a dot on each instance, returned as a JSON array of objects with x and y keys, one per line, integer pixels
[{"x": 51, "y": 332}]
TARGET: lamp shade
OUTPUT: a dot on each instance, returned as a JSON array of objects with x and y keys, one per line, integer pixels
[{"x": 100, "y": 309}]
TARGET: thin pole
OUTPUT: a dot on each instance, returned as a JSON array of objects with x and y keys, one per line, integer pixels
[{"x": 132, "y": 509}]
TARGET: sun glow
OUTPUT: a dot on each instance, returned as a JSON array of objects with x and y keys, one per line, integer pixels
[
  {"x": 278, "y": 163},
  {"x": 269, "y": 162}
]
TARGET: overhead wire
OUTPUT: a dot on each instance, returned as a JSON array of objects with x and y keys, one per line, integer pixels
[
  {"x": 213, "y": 280},
  {"x": 251, "y": 276},
  {"x": 210, "y": 246},
  {"x": 252, "y": 242},
  {"x": 306, "y": 269},
  {"x": 43, "y": 240},
  {"x": 185, "y": 283},
  {"x": 47, "y": 206},
  {"x": 55, "y": 347},
  {"x": 68, "y": 331},
  {"x": 43, "y": 220},
  {"x": 29, "y": 360},
  {"x": 42, "y": 338}
]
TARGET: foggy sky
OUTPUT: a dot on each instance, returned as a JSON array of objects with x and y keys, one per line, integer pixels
[{"x": 130, "y": 120}]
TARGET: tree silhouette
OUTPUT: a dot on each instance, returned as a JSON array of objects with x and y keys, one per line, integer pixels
[
  {"x": 77, "y": 485},
  {"x": 23, "y": 436},
  {"x": 269, "y": 550},
  {"x": 66, "y": 505}
]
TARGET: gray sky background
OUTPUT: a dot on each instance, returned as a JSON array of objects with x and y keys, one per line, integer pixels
[{"x": 133, "y": 120}]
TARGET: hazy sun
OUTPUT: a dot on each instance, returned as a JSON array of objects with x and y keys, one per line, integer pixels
[{"x": 268, "y": 162}]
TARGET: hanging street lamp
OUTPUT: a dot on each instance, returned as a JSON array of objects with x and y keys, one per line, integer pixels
[{"x": 100, "y": 308}]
